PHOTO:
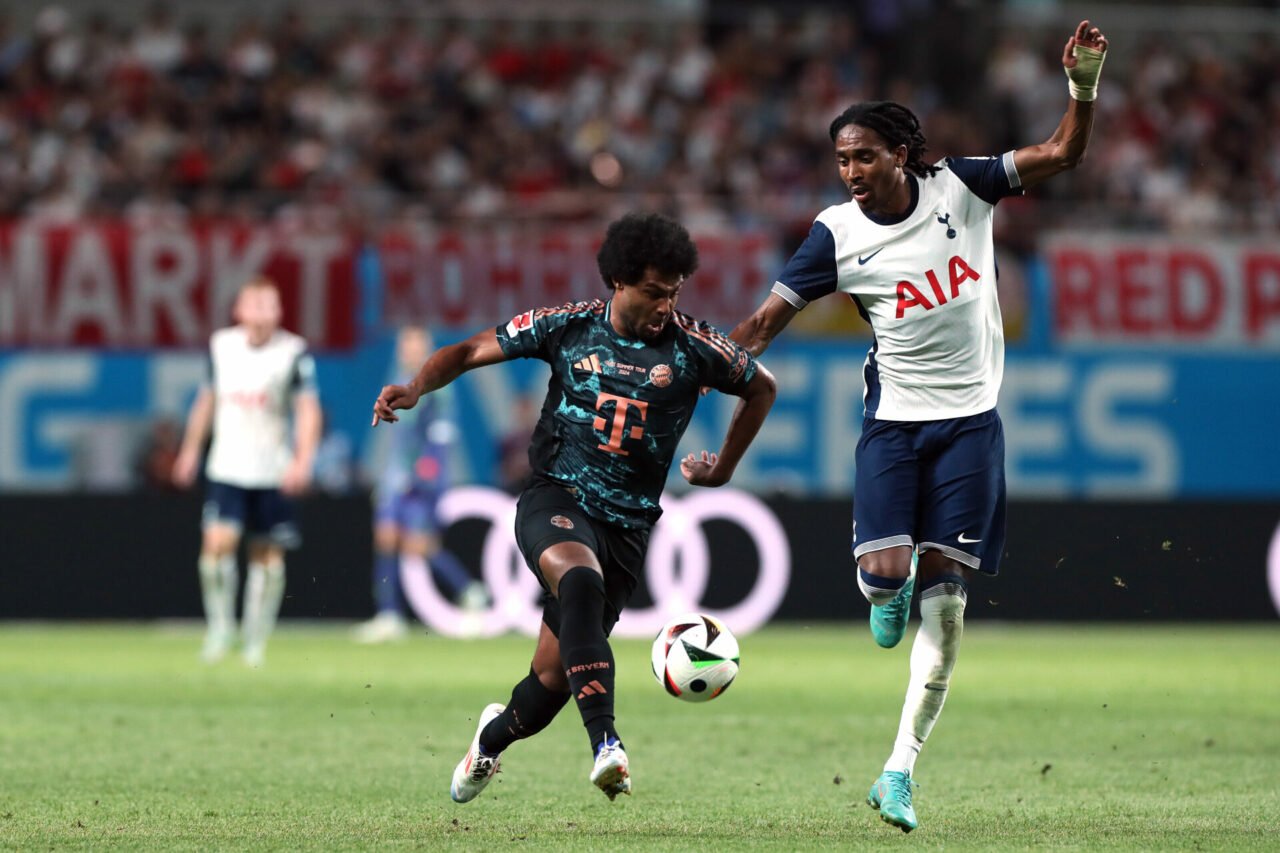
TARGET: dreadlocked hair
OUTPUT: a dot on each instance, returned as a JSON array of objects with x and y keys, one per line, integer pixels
[{"x": 897, "y": 124}]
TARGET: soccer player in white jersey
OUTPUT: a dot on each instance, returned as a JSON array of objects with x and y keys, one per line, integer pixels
[
  {"x": 258, "y": 372},
  {"x": 914, "y": 250}
]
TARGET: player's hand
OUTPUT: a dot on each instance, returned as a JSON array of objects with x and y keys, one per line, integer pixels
[
  {"x": 296, "y": 478},
  {"x": 185, "y": 468},
  {"x": 393, "y": 397},
  {"x": 1084, "y": 36},
  {"x": 700, "y": 470}
]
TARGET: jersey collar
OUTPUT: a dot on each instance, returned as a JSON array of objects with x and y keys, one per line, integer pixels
[{"x": 911, "y": 208}]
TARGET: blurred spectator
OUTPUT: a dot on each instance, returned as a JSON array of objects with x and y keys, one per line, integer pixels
[{"x": 157, "y": 455}]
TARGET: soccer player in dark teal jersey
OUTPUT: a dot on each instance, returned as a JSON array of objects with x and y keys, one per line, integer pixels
[{"x": 625, "y": 378}]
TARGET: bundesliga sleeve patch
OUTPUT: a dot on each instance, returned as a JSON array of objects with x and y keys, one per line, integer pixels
[{"x": 519, "y": 323}]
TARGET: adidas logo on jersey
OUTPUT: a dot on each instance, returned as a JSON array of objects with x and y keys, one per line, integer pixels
[{"x": 591, "y": 364}]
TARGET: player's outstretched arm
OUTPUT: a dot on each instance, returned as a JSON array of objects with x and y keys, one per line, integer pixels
[
  {"x": 187, "y": 465},
  {"x": 445, "y": 365},
  {"x": 716, "y": 469},
  {"x": 1082, "y": 59},
  {"x": 755, "y": 333}
]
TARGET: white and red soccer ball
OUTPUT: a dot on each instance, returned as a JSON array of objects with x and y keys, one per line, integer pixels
[{"x": 695, "y": 657}]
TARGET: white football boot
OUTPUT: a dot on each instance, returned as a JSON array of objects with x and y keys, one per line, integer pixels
[
  {"x": 611, "y": 773},
  {"x": 217, "y": 642},
  {"x": 386, "y": 627},
  {"x": 475, "y": 769}
]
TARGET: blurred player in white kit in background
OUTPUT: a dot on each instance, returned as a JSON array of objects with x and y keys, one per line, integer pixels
[{"x": 258, "y": 372}]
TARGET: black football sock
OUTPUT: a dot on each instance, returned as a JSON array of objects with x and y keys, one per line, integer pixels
[
  {"x": 585, "y": 652},
  {"x": 531, "y": 709}
]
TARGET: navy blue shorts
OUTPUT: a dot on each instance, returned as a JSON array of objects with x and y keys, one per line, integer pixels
[
  {"x": 413, "y": 511},
  {"x": 256, "y": 513},
  {"x": 933, "y": 485}
]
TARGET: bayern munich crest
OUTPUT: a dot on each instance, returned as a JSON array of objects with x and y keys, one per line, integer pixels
[{"x": 660, "y": 376}]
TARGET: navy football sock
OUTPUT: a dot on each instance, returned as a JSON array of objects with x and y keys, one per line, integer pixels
[{"x": 386, "y": 583}]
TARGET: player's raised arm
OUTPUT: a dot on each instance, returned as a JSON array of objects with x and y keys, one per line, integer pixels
[
  {"x": 445, "y": 365},
  {"x": 1082, "y": 59},
  {"x": 712, "y": 469}
]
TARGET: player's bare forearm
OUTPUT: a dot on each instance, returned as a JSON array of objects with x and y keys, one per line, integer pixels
[
  {"x": 755, "y": 333},
  {"x": 186, "y": 466},
  {"x": 1082, "y": 58},
  {"x": 306, "y": 430},
  {"x": 1062, "y": 151},
  {"x": 747, "y": 418},
  {"x": 448, "y": 363},
  {"x": 198, "y": 422},
  {"x": 445, "y": 365}
]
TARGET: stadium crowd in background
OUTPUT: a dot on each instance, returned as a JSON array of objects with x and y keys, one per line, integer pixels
[{"x": 169, "y": 115}]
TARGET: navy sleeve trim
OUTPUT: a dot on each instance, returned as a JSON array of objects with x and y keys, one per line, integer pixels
[
  {"x": 989, "y": 178},
  {"x": 811, "y": 273}
]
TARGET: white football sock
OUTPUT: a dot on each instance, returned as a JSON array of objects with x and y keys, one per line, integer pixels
[
  {"x": 933, "y": 657},
  {"x": 264, "y": 590},
  {"x": 218, "y": 588}
]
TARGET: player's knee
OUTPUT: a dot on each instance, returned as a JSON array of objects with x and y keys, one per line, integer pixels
[
  {"x": 422, "y": 545},
  {"x": 877, "y": 589},
  {"x": 551, "y": 677},
  {"x": 580, "y": 585},
  {"x": 944, "y": 597},
  {"x": 892, "y": 562},
  {"x": 881, "y": 574},
  {"x": 218, "y": 543}
]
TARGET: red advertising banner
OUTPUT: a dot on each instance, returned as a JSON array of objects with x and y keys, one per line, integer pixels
[
  {"x": 470, "y": 278},
  {"x": 1163, "y": 292},
  {"x": 106, "y": 284}
]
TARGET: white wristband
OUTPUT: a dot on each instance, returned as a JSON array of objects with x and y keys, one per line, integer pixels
[{"x": 1082, "y": 81}]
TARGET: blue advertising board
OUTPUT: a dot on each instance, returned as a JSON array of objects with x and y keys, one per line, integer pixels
[{"x": 1116, "y": 424}]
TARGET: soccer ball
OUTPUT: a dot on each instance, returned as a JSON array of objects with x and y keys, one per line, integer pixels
[{"x": 695, "y": 657}]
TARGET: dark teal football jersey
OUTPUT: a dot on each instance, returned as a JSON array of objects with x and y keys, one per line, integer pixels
[{"x": 616, "y": 408}]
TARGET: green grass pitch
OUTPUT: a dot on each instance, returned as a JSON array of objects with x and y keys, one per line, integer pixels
[{"x": 1091, "y": 738}]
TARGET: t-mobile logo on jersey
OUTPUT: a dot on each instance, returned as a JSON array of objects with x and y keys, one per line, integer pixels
[
  {"x": 621, "y": 405},
  {"x": 909, "y": 296}
]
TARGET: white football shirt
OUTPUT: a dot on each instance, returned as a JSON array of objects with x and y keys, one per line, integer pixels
[
  {"x": 926, "y": 283},
  {"x": 253, "y": 389}
]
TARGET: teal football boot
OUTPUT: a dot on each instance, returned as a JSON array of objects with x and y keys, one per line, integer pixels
[{"x": 891, "y": 796}]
